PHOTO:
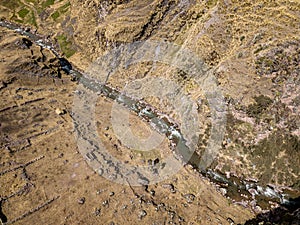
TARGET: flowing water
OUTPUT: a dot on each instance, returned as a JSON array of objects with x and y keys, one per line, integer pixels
[{"x": 234, "y": 186}]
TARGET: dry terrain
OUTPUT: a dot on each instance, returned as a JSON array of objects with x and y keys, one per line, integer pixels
[{"x": 251, "y": 48}]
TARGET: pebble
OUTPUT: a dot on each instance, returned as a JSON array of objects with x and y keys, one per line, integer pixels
[
  {"x": 152, "y": 192},
  {"x": 99, "y": 191},
  {"x": 253, "y": 192},
  {"x": 59, "y": 111},
  {"x": 142, "y": 214},
  {"x": 180, "y": 219},
  {"x": 97, "y": 211},
  {"x": 184, "y": 205},
  {"x": 230, "y": 220},
  {"x": 18, "y": 97},
  {"x": 25, "y": 43},
  {"x": 189, "y": 197},
  {"x": 155, "y": 161},
  {"x": 143, "y": 181},
  {"x": 60, "y": 122},
  {"x": 170, "y": 187},
  {"x": 223, "y": 191},
  {"x": 160, "y": 206},
  {"x": 81, "y": 201},
  {"x": 105, "y": 203},
  {"x": 171, "y": 214},
  {"x": 227, "y": 174},
  {"x": 100, "y": 171}
]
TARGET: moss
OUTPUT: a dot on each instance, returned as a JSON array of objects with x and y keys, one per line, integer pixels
[
  {"x": 212, "y": 3},
  {"x": 47, "y": 3},
  {"x": 296, "y": 185},
  {"x": 231, "y": 125},
  {"x": 55, "y": 15},
  {"x": 65, "y": 45},
  {"x": 32, "y": 20},
  {"x": 293, "y": 143},
  {"x": 267, "y": 151},
  {"x": 296, "y": 100},
  {"x": 61, "y": 10},
  {"x": 16, "y": 18},
  {"x": 32, "y": 1},
  {"x": 23, "y": 12},
  {"x": 240, "y": 55},
  {"x": 261, "y": 104},
  {"x": 278, "y": 62},
  {"x": 64, "y": 8},
  {"x": 259, "y": 49},
  {"x": 18, "y": 21},
  {"x": 39, "y": 10},
  {"x": 11, "y": 4}
]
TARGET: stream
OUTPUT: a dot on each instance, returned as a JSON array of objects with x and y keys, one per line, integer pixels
[{"x": 233, "y": 185}]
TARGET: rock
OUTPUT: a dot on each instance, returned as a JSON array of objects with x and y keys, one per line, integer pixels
[
  {"x": 105, "y": 203},
  {"x": 25, "y": 43},
  {"x": 97, "y": 212},
  {"x": 142, "y": 214},
  {"x": 171, "y": 214},
  {"x": 143, "y": 181},
  {"x": 100, "y": 171},
  {"x": 170, "y": 187},
  {"x": 152, "y": 192},
  {"x": 231, "y": 221},
  {"x": 99, "y": 191},
  {"x": 189, "y": 197},
  {"x": 81, "y": 201},
  {"x": 155, "y": 161},
  {"x": 223, "y": 191},
  {"x": 60, "y": 112},
  {"x": 18, "y": 97},
  {"x": 65, "y": 65},
  {"x": 180, "y": 219}
]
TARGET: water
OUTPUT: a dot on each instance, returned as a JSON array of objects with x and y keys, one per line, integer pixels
[{"x": 160, "y": 123}]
